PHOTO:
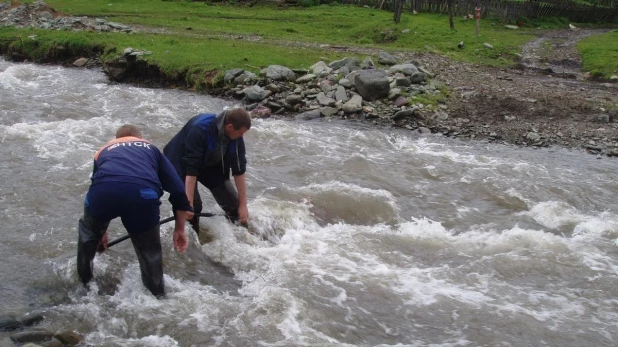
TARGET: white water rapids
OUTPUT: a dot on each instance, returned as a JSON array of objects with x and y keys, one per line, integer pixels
[{"x": 359, "y": 236}]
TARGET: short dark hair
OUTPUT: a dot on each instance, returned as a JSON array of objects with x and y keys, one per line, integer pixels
[
  {"x": 239, "y": 118},
  {"x": 128, "y": 130}
]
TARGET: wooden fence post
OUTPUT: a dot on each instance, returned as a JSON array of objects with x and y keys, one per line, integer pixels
[{"x": 478, "y": 20}]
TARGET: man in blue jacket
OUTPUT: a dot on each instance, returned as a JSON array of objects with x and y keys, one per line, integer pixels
[
  {"x": 205, "y": 150},
  {"x": 128, "y": 179}
]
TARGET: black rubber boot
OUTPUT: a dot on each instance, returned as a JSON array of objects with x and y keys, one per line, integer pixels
[
  {"x": 90, "y": 233},
  {"x": 197, "y": 208},
  {"x": 147, "y": 246},
  {"x": 227, "y": 197}
]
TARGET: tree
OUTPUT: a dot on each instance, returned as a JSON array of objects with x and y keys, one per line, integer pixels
[
  {"x": 449, "y": 3},
  {"x": 398, "y": 9}
]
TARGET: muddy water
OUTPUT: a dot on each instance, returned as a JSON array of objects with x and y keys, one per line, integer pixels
[{"x": 359, "y": 236}]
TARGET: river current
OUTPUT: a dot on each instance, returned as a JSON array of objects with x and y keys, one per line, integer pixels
[{"x": 358, "y": 236}]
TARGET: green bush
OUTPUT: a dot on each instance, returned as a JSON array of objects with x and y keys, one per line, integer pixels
[{"x": 308, "y": 3}]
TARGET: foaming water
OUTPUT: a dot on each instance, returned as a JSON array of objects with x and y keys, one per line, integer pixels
[{"x": 358, "y": 236}]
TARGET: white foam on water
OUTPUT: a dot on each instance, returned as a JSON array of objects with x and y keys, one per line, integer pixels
[
  {"x": 586, "y": 227},
  {"x": 326, "y": 261},
  {"x": 69, "y": 138},
  {"x": 464, "y": 210},
  {"x": 605, "y": 224},
  {"x": 19, "y": 78},
  {"x": 426, "y": 146},
  {"x": 154, "y": 341},
  {"x": 554, "y": 214}
]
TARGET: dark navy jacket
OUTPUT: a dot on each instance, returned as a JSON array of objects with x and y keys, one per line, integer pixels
[
  {"x": 134, "y": 160},
  {"x": 201, "y": 144}
]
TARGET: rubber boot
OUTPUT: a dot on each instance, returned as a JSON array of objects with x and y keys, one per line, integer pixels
[
  {"x": 227, "y": 197},
  {"x": 197, "y": 208},
  {"x": 90, "y": 233},
  {"x": 147, "y": 246}
]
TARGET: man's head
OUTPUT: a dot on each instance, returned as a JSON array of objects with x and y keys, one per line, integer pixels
[
  {"x": 236, "y": 124},
  {"x": 128, "y": 130}
]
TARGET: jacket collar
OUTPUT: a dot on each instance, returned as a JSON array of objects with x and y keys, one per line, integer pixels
[{"x": 220, "y": 123}]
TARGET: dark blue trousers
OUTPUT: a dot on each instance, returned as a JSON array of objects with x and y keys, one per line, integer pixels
[
  {"x": 222, "y": 190},
  {"x": 138, "y": 208}
]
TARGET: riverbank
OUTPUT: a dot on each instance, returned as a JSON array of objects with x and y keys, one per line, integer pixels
[{"x": 546, "y": 101}]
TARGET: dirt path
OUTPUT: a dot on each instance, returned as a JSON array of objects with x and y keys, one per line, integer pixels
[
  {"x": 556, "y": 51},
  {"x": 544, "y": 102}
]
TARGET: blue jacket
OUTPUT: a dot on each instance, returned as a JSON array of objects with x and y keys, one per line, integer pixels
[
  {"x": 134, "y": 160},
  {"x": 201, "y": 143}
]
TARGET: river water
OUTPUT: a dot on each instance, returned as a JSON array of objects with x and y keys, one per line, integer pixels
[{"x": 358, "y": 236}]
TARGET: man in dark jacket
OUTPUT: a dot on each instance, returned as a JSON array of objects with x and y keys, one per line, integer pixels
[
  {"x": 205, "y": 150},
  {"x": 128, "y": 179}
]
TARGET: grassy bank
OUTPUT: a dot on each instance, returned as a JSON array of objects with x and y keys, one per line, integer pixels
[
  {"x": 197, "y": 36},
  {"x": 600, "y": 54}
]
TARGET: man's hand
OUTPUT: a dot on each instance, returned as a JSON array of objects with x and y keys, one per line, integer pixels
[
  {"x": 103, "y": 243},
  {"x": 243, "y": 214},
  {"x": 189, "y": 215},
  {"x": 180, "y": 240}
]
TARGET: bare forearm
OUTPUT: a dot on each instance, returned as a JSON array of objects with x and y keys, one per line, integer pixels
[
  {"x": 243, "y": 211},
  {"x": 190, "y": 183},
  {"x": 241, "y": 186}
]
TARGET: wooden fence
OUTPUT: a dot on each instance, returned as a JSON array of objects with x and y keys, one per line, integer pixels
[{"x": 509, "y": 11}]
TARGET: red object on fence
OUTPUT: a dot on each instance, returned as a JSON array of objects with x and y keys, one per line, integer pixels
[{"x": 478, "y": 13}]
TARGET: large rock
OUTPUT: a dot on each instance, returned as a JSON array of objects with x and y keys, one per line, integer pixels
[
  {"x": 306, "y": 78},
  {"x": 386, "y": 59},
  {"x": 256, "y": 93},
  {"x": 372, "y": 84},
  {"x": 231, "y": 74},
  {"x": 355, "y": 104},
  {"x": 245, "y": 77},
  {"x": 261, "y": 111},
  {"x": 279, "y": 73},
  {"x": 324, "y": 100},
  {"x": 68, "y": 337},
  {"x": 329, "y": 111},
  {"x": 80, "y": 62},
  {"x": 32, "y": 336},
  {"x": 367, "y": 64},
  {"x": 117, "y": 70},
  {"x": 351, "y": 76},
  {"x": 417, "y": 77},
  {"x": 309, "y": 115},
  {"x": 340, "y": 94},
  {"x": 345, "y": 62},
  {"x": 406, "y": 69},
  {"x": 320, "y": 69}
]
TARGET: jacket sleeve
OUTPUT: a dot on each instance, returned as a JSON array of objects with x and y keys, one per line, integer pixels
[
  {"x": 171, "y": 182},
  {"x": 193, "y": 156},
  {"x": 239, "y": 160}
]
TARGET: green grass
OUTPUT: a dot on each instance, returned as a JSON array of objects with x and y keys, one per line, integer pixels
[
  {"x": 274, "y": 35},
  {"x": 600, "y": 54}
]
